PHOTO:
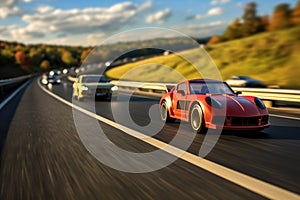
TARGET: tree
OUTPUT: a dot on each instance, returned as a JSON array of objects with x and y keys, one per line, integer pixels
[
  {"x": 295, "y": 15},
  {"x": 67, "y": 57},
  {"x": 265, "y": 22},
  {"x": 251, "y": 22},
  {"x": 280, "y": 18},
  {"x": 22, "y": 59},
  {"x": 233, "y": 31},
  {"x": 214, "y": 39},
  {"x": 45, "y": 64},
  {"x": 84, "y": 54},
  {"x": 35, "y": 56}
]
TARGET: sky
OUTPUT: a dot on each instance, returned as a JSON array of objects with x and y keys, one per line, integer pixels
[{"x": 89, "y": 22}]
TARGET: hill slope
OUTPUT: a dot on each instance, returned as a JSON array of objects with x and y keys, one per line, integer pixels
[{"x": 273, "y": 57}]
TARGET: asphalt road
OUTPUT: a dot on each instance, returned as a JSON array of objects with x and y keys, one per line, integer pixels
[{"x": 44, "y": 158}]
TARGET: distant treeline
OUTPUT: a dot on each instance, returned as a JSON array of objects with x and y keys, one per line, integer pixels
[
  {"x": 41, "y": 57},
  {"x": 250, "y": 23}
]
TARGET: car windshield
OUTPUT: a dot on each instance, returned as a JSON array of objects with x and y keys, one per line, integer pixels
[
  {"x": 210, "y": 88},
  {"x": 94, "y": 79}
]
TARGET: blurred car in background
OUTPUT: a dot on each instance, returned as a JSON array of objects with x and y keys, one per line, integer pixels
[
  {"x": 50, "y": 80},
  {"x": 244, "y": 81},
  {"x": 66, "y": 71},
  {"x": 54, "y": 72},
  {"x": 93, "y": 86}
]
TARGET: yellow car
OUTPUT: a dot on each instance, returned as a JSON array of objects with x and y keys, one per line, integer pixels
[{"x": 93, "y": 86}]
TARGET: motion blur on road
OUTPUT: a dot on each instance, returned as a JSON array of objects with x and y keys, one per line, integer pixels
[{"x": 59, "y": 142}]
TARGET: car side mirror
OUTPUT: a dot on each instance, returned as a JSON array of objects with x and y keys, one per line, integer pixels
[
  {"x": 181, "y": 92},
  {"x": 238, "y": 93}
]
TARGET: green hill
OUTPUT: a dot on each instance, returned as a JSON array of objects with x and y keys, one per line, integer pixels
[{"x": 273, "y": 57}]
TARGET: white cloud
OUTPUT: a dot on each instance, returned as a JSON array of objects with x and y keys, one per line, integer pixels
[
  {"x": 95, "y": 39},
  {"x": 27, "y": 34},
  {"x": 44, "y": 9},
  {"x": 216, "y": 2},
  {"x": 51, "y": 21},
  {"x": 9, "y": 8},
  {"x": 160, "y": 16},
  {"x": 7, "y": 12},
  {"x": 8, "y": 3},
  {"x": 211, "y": 12},
  {"x": 27, "y": 1},
  {"x": 215, "y": 11}
]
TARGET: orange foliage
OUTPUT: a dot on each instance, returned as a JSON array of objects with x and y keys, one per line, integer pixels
[
  {"x": 214, "y": 39},
  {"x": 22, "y": 59}
]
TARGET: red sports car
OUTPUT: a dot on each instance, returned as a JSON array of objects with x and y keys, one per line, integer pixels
[{"x": 206, "y": 103}]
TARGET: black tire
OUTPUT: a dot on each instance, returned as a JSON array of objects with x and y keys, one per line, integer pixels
[
  {"x": 164, "y": 113},
  {"x": 197, "y": 119}
]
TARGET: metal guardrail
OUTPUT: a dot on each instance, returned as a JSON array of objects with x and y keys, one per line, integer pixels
[
  {"x": 272, "y": 94},
  {"x": 143, "y": 86},
  {"x": 269, "y": 96},
  {"x": 9, "y": 81},
  {"x": 158, "y": 89},
  {"x": 7, "y": 85}
]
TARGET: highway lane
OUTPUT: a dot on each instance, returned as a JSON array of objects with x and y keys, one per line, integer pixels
[
  {"x": 44, "y": 158},
  {"x": 272, "y": 155}
]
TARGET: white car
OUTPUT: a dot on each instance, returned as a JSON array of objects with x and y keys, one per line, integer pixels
[{"x": 244, "y": 81}]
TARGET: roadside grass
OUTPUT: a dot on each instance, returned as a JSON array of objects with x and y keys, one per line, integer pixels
[{"x": 273, "y": 57}]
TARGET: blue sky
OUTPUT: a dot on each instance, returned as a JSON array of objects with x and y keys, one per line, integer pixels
[{"x": 88, "y": 22}]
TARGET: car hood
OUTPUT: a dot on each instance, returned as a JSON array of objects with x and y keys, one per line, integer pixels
[
  {"x": 238, "y": 106},
  {"x": 98, "y": 85}
]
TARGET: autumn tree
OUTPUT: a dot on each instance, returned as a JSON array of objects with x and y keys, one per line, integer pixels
[
  {"x": 45, "y": 64},
  {"x": 35, "y": 56},
  {"x": 53, "y": 56},
  {"x": 251, "y": 22},
  {"x": 295, "y": 15},
  {"x": 22, "y": 59},
  {"x": 84, "y": 54},
  {"x": 67, "y": 57},
  {"x": 214, "y": 39},
  {"x": 280, "y": 18},
  {"x": 265, "y": 22},
  {"x": 233, "y": 31}
]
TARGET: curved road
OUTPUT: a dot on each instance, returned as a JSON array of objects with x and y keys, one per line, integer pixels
[{"x": 43, "y": 157}]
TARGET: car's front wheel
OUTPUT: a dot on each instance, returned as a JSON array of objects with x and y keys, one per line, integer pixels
[
  {"x": 164, "y": 113},
  {"x": 196, "y": 118}
]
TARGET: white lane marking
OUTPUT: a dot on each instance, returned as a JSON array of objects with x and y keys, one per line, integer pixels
[
  {"x": 13, "y": 94},
  {"x": 282, "y": 116},
  {"x": 255, "y": 185}
]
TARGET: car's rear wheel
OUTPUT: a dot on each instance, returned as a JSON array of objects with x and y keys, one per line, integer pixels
[
  {"x": 196, "y": 118},
  {"x": 164, "y": 113}
]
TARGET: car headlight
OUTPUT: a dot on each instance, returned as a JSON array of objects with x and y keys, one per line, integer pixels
[
  {"x": 84, "y": 88},
  {"x": 114, "y": 88},
  {"x": 259, "y": 103},
  {"x": 213, "y": 102},
  {"x": 44, "y": 81}
]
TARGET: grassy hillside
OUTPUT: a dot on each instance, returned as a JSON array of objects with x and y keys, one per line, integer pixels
[{"x": 273, "y": 57}]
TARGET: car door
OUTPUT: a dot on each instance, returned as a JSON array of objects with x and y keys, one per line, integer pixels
[{"x": 179, "y": 101}]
